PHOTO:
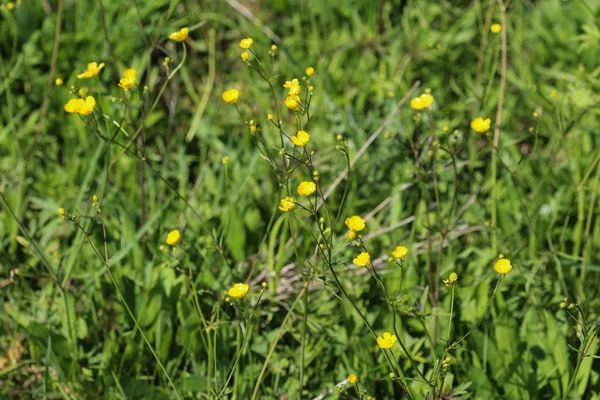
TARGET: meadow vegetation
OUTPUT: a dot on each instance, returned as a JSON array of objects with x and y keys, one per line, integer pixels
[{"x": 299, "y": 199}]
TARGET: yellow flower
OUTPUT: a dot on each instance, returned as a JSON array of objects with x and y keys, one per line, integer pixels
[
  {"x": 58, "y": 82},
  {"x": 238, "y": 290},
  {"x": 273, "y": 47},
  {"x": 352, "y": 378},
  {"x": 225, "y": 160},
  {"x": 553, "y": 93},
  {"x": 245, "y": 55},
  {"x": 180, "y": 35},
  {"x": 80, "y": 106},
  {"x": 386, "y": 341},
  {"x": 310, "y": 71},
  {"x": 503, "y": 266},
  {"x": 173, "y": 237},
  {"x": 421, "y": 102},
  {"x": 306, "y": 188},
  {"x": 481, "y": 125},
  {"x": 355, "y": 223},
  {"x": 61, "y": 211},
  {"x": 270, "y": 117},
  {"x": 301, "y": 138},
  {"x": 128, "y": 79},
  {"x": 246, "y": 43},
  {"x": 495, "y": 28},
  {"x": 400, "y": 252},
  {"x": 351, "y": 235},
  {"x": 10, "y": 5},
  {"x": 231, "y": 96},
  {"x": 287, "y": 204},
  {"x": 362, "y": 260},
  {"x": 294, "y": 87},
  {"x": 292, "y": 102},
  {"x": 92, "y": 70},
  {"x": 452, "y": 279}
]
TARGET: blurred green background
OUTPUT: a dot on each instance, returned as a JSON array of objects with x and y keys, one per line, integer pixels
[{"x": 64, "y": 332}]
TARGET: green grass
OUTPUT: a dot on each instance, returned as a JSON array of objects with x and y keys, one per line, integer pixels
[{"x": 96, "y": 305}]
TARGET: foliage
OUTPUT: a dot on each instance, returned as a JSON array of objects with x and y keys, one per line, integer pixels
[{"x": 97, "y": 305}]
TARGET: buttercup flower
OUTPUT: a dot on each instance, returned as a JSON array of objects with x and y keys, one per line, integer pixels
[
  {"x": 306, "y": 188},
  {"x": 351, "y": 235},
  {"x": 301, "y": 138},
  {"x": 61, "y": 211},
  {"x": 58, "y": 82},
  {"x": 180, "y": 35},
  {"x": 481, "y": 125},
  {"x": 355, "y": 223},
  {"x": 310, "y": 71},
  {"x": 292, "y": 102},
  {"x": 294, "y": 87},
  {"x": 80, "y": 106},
  {"x": 246, "y": 43},
  {"x": 503, "y": 266},
  {"x": 245, "y": 56},
  {"x": 421, "y": 102},
  {"x": 452, "y": 279},
  {"x": 495, "y": 28},
  {"x": 352, "y": 378},
  {"x": 287, "y": 204},
  {"x": 173, "y": 237},
  {"x": 386, "y": 341},
  {"x": 231, "y": 96},
  {"x": 362, "y": 260},
  {"x": 128, "y": 80},
  {"x": 238, "y": 290},
  {"x": 400, "y": 252},
  {"x": 92, "y": 70}
]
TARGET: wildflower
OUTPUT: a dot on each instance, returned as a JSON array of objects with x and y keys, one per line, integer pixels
[
  {"x": 270, "y": 117},
  {"x": 310, "y": 71},
  {"x": 536, "y": 114},
  {"x": 245, "y": 55},
  {"x": 173, "y": 237},
  {"x": 386, "y": 341},
  {"x": 292, "y": 102},
  {"x": 231, "y": 96},
  {"x": 481, "y": 125},
  {"x": 246, "y": 43},
  {"x": 495, "y": 28},
  {"x": 352, "y": 378},
  {"x": 362, "y": 260},
  {"x": 92, "y": 70},
  {"x": 273, "y": 47},
  {"x": 10, "y": 5},
  {"x": 503, "y": 266},
  {"x": 400, "y": 252},
  {"x": 554, "y": 93},
  {"x": 294, "y": 87},
  {"x": 225, "y": 160},
  {"x": 287, "y": 204},
  {"x": 351, "y": 235},
  {"x": 238, "y": 290},
  {"x": 80, "y": 106},
  {"x": 58, "y": 82},
  {"x": 180, "y": 35},
  {"x": 128, "y": 80},
  {"x": 301, "y": 138},
  {"x": 61, "y": 211},
  {"x": 306, "y": 188},
  {"x": 355, "y": 223},
  {"x": 421, "y": 102},
  {"x": 452, "y": 279}
]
